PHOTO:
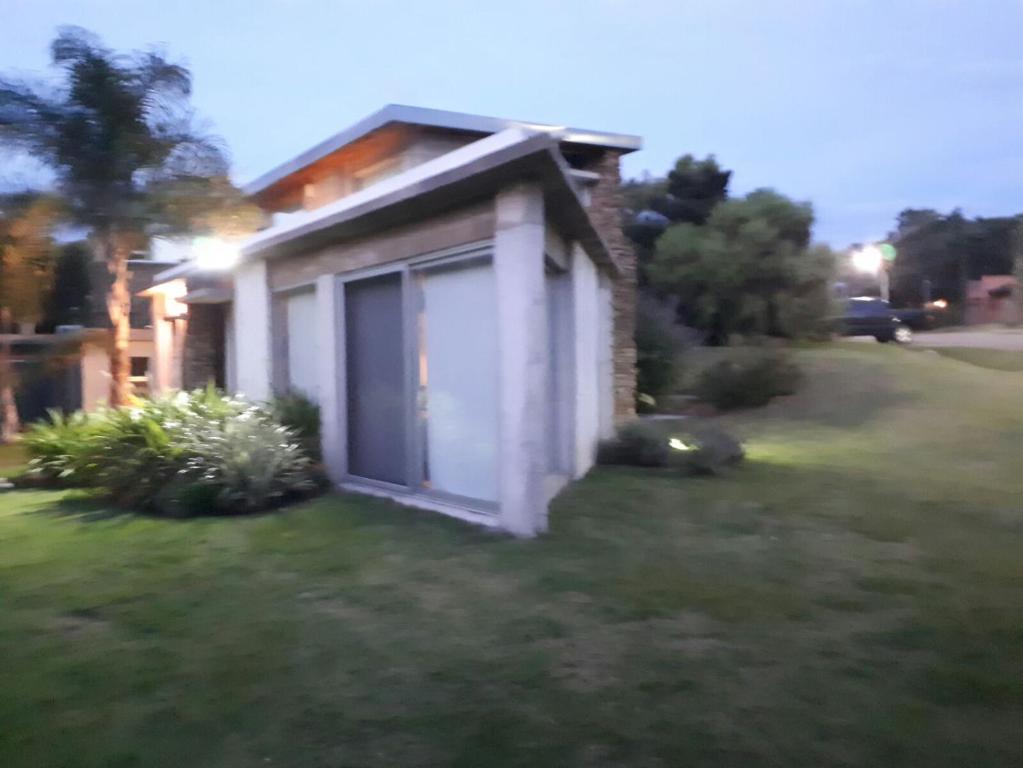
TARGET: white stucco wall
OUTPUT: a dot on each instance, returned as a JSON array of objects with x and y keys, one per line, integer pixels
[
  {"x": 252, "y": 330},
  {"x": 95, "y": 369}
]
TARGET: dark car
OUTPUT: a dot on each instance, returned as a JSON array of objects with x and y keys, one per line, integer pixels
[
  {"x": 920, "y": 318},
  {"x": 869, "y": 316}
]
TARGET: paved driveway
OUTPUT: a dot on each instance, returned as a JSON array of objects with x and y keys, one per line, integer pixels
[{"x": 1010, "y": 339}]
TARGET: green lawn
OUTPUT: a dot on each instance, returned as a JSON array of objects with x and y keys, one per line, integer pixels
[
  {"x": 997, "y": 359},
  {"x": 853, "y": 596},
  {"x": 12, "y": 458}
]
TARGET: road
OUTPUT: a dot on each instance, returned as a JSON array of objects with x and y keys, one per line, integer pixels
[{"x": 1009, "y": 339}]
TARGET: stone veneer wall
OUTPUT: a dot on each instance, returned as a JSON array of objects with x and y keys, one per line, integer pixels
[
  {"x": 203, "y": 354},
  {"x": 606, "y": 202}
]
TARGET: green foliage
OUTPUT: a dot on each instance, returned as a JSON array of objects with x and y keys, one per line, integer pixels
[
  {"x": 694, "y": 188},
  {"x": 748, "y": 270},
  {"x": 748, "y": 380},
  {"x": 655, "y": 354},
  {"x": 300, "y": 414},
  {"x": 637, "y": 444},
  {"x": 687, "y": 195},
  {"x": 946, "y": 250},
  {"x": 691, "y": 448},
  {"x": 61, "y": 449},
  {"x": 194, "y": 453}
]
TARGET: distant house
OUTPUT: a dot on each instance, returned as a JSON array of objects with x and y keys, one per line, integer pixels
[
  {"x": 453, "y": 290},
  {"x": 992, "y": 299},
  {"x": 69, "y": 368}
]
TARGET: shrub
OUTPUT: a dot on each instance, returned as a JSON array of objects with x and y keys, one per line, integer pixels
[
  {"x": 749, "y": 380},
  {"x": 300, "y": 414},
  {"x": 692, "y": 448},
  {"x": 638, "y": 444},
  {"x": 60, "y": 449},
  {"x": 194, "y": 453},
  {"x": 655, "y": 356}
]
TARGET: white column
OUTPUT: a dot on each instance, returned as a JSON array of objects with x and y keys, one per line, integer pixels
[
  {"x": 252, "y": 330},
  {"x": 587, "y": 335},
  {"x": 331, "y": 377},
  {"x": 522, "y": 364}
]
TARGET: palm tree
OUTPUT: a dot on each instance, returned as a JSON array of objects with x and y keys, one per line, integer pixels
[
  {"x": 26, "y": 271},
  {"x": 121, "y": 139}
]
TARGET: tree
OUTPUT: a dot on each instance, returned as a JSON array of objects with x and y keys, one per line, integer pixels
[
  {"x": 26, "y": 269},
  {"x": 122, "y": 141},
  {"x": 688, "y": 194},
  {"x": 938, "y": 253},
  {"x": 749, "y": 269},
  {"x": 694, "y": 188}
]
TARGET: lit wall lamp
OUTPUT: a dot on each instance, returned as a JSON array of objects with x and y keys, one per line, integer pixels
[{"x": 214, "y": 254}]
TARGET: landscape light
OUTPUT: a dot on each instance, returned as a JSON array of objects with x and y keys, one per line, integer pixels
[
  {"x": 868, "y": 259},
  {"x": 679, "y": 445},
  {"x": 214, "y": 254}
]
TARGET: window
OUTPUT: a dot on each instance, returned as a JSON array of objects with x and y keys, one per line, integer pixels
[
  {"x": 138, "y": 375},
  {"x": 302, "y": 341}
]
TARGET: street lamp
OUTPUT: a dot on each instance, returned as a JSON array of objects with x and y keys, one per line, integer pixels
[{"x": 870, "y": 259}]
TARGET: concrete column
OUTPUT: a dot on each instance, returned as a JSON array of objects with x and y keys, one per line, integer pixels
[
  {"x": 163, "y": 347},
  {"x": 252, "y": 330},
  {"x": 523, "y": 359},
  {"x": 331, "y": 377}
]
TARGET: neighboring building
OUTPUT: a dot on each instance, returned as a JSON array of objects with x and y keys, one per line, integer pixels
[
  {"x": 455, "y": 292},
  {"x": 992, "y": 299},
  {"x": 70, "y": 368}
]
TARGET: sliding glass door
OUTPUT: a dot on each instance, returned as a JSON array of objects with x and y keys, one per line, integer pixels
[
  {"x": 422, "y": 379},
  {"x": 458, "y": 378},
  {"x": 376, "y": 379}
]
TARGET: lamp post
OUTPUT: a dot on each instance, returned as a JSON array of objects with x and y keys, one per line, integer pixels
[{"x": 872, "y": 260}]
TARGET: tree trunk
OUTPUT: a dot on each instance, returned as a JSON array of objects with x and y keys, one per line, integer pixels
[
  {"x": 10, "y": 423},
  {"x": 119, "y": 309}
]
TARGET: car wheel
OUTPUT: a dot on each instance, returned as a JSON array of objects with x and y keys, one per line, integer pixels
[
  {"x": 903, "y": 335},
  {"x": 884, "y": 338}
]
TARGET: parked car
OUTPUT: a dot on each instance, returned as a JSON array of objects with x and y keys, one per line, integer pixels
[
  {"x": 868, "y": 316},
  {"x": 919, "y": 318}
]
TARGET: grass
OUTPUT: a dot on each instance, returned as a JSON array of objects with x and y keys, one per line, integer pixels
[
  {"x": 995, "y": 359},
  {"x": 850, "y": 597},
  {"x": 12, "y": 458}
]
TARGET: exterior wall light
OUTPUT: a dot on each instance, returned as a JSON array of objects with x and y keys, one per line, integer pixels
[{"x": 214, "y": 254}]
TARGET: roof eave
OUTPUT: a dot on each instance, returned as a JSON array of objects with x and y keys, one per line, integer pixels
[
  {"x": 435, "y": 118},
  {"x": 534, "y": 159}
]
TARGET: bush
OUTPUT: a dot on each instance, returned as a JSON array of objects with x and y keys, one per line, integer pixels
[
  {"x": 194, "y": 453},
  {"x": 637, "y": 444},
  {"x": 301, "y": 415},
  {"x": 655, "y": 356},
  {"x": 692, "y": 448},
  {"x": 749, "y": 380}
]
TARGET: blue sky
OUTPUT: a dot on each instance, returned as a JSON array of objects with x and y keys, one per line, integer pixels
[{"x": 863, "y": 107}]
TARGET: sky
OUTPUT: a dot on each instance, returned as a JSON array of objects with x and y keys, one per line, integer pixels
[{"x": 862, "y": 107}]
